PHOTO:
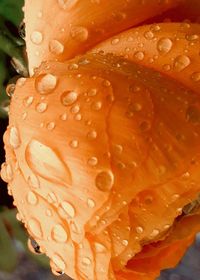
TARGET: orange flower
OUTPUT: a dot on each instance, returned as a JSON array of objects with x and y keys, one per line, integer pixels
[{"x": 102, "y": 147}]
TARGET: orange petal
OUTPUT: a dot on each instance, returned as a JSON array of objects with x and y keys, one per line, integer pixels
[
  {"x": 80, "y": 24},
  {"x": 170, "y": 48}
]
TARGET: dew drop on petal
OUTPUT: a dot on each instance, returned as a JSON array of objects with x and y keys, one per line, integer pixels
[
  {"x": 164, "y": 45},
  {"x": 79, "y": 33},
  {"x": 67, "y": 4},
  {"x": 68, "y": 208},
  {"x": 41, "y": 107},
  {"x": 56, "y": 47},
  {"x": 91, "y": 203},
  {"x": 36, "y": 37},
  {"x": 59, "y": 234},
  {"x": 32, "y": 198},
  {"x": 45, "y": 84},
  {"x": 195, "y": 76},
  {"x": 34, "y": 227},
  {"x": 104, "y": 181},
  {"x": 69, "y": 97},
  {"x": 14, "y": 137},
  {"x": 59, "y": 262},
  {"x": 181, "y": 62}
]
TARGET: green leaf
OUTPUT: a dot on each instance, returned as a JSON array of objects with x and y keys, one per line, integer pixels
[
  {"x": 8, "y": 256},
  {"x": 12, "y": 10}
]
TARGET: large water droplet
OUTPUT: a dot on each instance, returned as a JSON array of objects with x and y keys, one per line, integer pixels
[
  {"x": 67, "y": 4},
  {"x": 181, "y": 62},
  {"x": 68, "y": 208},
  {"x": 69, "y": 97},
  {"x": 79, "y": 33},
  {"x": 32, "y": 198},
  {"x": 45, "y": 84},
  {"x": 56, "y": 47},
  {"x": 14, "y": 137},
  {"x": 104, "y": 181},
  {"x": 164, "y": 45},
  {"x": 34, "y": 227},
  {"x": 59, "y": 234},
  {"x": 36, "y": 37},
  {"x": 45, "y": 162}
]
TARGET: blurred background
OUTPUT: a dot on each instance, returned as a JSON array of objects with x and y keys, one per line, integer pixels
[{"x": 17, "y": 260}]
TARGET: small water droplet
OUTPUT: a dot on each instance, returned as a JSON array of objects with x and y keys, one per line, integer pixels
[
  {"x": 92, "y": 135},
  {"x": 75, "y": 109},
  {"x": 33, "y": 246},
  {"x": 104, "y": 181},
  {"x": 115, "y": 41},
  {"x": 106, "y": 83},
  {"x": 195, "y": 76},
  {"x": 41, "y": 107},
  {"x": 96, "y": 106},
  {"x": 56, "y": 47},
  {"x": 149, "y": 35},
  {"x": 33, "y": 181},
  {"x": 32, "y": 198},
  {"x": 69, "y": 97},
  {"x": 139, "y": 55},
  {"x": 45, "y": 84},
  {"x": 100, "y": 248},
  {"x": 59, "y": 234},
  {"x": 164, "y": 45},
  {"x": 145, "y": 126},
  {"x": 36, "y": 37},
  {"x": 91, "y": 203},
  {"x": 92, "y": 92},
  {"x": 125, "y": 242},
  {"x": 67, "y": 4},
  {"x": 51, "y": 125},
  {"x": 52, "y": 198},
  {"x": 21, "y": 82},
  {"x": 73, "y": 66},
  {"x": 10, "y": 89},
  {"x": 154, "y": 233},
  {"x": 22, "y": 30},
  {"x": 34, "y": 227},
  {"x": 181, "y": 62},
  {"x": 28, "y": 101},
  {"x": 193, "y": 114},
  {"x": 79, "y": 33},
  {"x": 63, "y": 117},
  {"x": 92, "y": 161},
  {"x": 86, "y": 261},
  {"x": 68, "y": 208},
  {"x": 78, "y": 117},
  {"x": 192, "y": 37},
  {"x": 14, "y": 138},
  {"x": 59, "y": 262},
  {"x": 139, "y": 230}
]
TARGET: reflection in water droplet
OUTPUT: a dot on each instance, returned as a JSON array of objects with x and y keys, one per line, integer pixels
[
  {"x": 79, "y": 33},
  {"x": 68, "y": 208},
  {"x": 32, "y": 198},
  {"x": 14, "y": 137},
  {"x": 69, "y": 97},
  {"x": 45, "y": 84},
  {"x": 34, "y": 227},
  {"x": 181, "y": 62},
  {"x": 36, "y": 37},
  {"x": 56, "y": 47},
  {"x": 104, "y": 181},
  {"x": 59, "y": 234},
  {"x": 164, "y": 45}
]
